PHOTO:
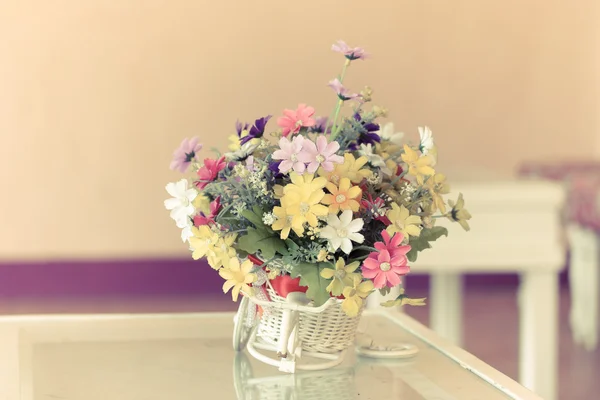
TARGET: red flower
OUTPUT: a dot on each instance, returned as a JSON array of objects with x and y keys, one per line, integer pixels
[
  {"x": 215, "y": 207},
  {"x": 209, "y": 171}
]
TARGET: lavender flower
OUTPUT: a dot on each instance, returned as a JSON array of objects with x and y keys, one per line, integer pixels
[
  {"x": 185, "y": 154},
  {"x": 257, "y": 130},
  {"x": 239, "y": 128},
  {"x": 350, "y": 53},
  {"x": 343, "y": 93},
  {"x": 320, "y": 126}
]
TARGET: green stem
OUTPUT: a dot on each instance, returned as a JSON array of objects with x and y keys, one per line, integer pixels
[{"x": 339, "y": 103}]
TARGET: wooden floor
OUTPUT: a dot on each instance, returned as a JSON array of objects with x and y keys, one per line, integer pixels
[{"x": 491, "y": 328}]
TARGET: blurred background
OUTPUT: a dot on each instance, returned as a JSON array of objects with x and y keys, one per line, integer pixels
[{"x": 95, "y": 96}]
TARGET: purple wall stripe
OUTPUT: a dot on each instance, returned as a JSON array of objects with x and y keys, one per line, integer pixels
[{"x": 147, "y": 278}]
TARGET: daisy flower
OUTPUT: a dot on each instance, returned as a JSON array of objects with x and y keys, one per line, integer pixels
[
  {"x": 392, "y": 244},
  {"x": 342, "y": 231},
  {"x": 437, "y": 187},
  {"x": 342, "y": 197},
  {"x": 289, "y": 154},
  {"x": 402, "y": 221},
  {"x": 185, "y": 154},
  {"x": 238, "y": 277},
  {"x": 458, "y": 213},
  {"x": 320, "y": 154},
  {"x": 417, "y": 166},
  {"x": 375, "y": 160},
  {"x": 181, "y": 204},
  {"x": 384, "y": 269},
  {"x": 292, "y": 120},
  {"x": 387, "y": 133},
  {"x": 207, "y": 243},
  {"x": 209, "y": 171},
  {"x": 341, "y": 276},
  {"x": 351, "y": 53},
  {"x": 351, "y": 169},
  {"x": 342, "y": 93},
  {"x": 354, "y": 295},
  {"x": 426, "y": 140},
  {"x": 301, "y": 200},
  {"x": 257, "y": 130},
  {"x": 283, "y": 223}
]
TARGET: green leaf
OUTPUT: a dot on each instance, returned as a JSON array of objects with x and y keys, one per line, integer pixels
[
  {"x": 421, "y": 242},
  {"x": 264, "y": 240},
  {"x": 254, "y": 216},
  {"x": 385, "y": 290},
  {"x": 310, "y": 276}
]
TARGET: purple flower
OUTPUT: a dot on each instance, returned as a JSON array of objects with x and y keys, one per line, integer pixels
[
  {"x": 274, "y": 167},
  {"x": 257, "y": 130},
  {"x": 320, "y": 126},
  {"x": 369, "y": 131},
  {"x": 239, "y": 128},
  {"x": 350, "y": 53},
  {"x": 343, "y": 93},
  {"x": 185, "y": 154}
]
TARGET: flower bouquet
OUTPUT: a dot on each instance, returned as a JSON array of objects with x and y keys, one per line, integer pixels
[{"x": 334, "y": 207}]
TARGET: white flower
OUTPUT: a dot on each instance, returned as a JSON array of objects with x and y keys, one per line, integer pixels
[
  {"x": 181, "y": 204},
  {"x": 243, "y": 153},
  {"x": 387, "y": 133},
  {"x": 341, "y": 231},
  {"x": 374, "y": 159},
  {"x": 426, "y": 140},
  {"x": 186, "y": 232},
  {"x": 269, "y": 218}
]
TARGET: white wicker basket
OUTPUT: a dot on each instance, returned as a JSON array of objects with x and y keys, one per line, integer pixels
[{"x": 329, "y": 331}]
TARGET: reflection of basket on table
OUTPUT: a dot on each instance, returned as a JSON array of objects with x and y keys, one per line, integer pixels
[
  {"x": 292, "y": 328},
  {"x": 332, "y": 384}
]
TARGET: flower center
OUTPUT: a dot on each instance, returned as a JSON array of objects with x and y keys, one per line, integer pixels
[
  {"x": 341, "y": 274},
  {"x": 340, "y": 198},
  {"x": 190, "y": 156},
  {"x": 185, "y": 202},
  {"x": 320, "y": 158},
  {"x": 304, "y": 207},
  {"x": 294, "y": 157},
  {"x": 342, "y": 232},
  {"x": 385, "y": 266},
  {"x": 289, "y": 219}
]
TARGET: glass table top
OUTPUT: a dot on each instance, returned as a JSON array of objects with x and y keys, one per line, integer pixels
[{"x": 190, "y": 356}]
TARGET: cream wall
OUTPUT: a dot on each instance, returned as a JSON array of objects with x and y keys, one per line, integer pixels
[{"x": 95, "y": 95}]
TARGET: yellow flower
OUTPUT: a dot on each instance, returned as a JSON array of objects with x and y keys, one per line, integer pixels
[
  {"x": 417, "y": 166},
  {"x": 284, "y": 223},
  {"x": 343, "y": 275},
  {"x": 202, "y": 203},
  {"x": 402, "y": 221},
  {"x": 355, "y": 294},
  {"x": 238, "y": 277},
  {"x": 278, "y": 190},
  {"x": 343, "y": 197},
  {"x": 458, "y": 213},
  {"x": 351, "y": 169},
  {"x": 207, "y": 243},
  {"x": 301, "y": 200},
  {"x": 402, "y": 300},
  {"x": 437, "y": 187}
]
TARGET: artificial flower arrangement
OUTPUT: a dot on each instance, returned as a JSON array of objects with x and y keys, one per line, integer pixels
[{"x": 343, "y": 204}]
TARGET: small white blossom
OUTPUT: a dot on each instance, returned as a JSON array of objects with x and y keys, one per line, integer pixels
[
  {"x": 181, "y": 204},
  {"x": 342, "y": 231},
  {"x": 243, "y": 153},
  {"x": 387, "y": 133},
  {"x": 374, "y": 179},
  {"x": 374, "y": 159},
  {"x": 426, "y": 139},
  {"x": 269, "y": 218}
]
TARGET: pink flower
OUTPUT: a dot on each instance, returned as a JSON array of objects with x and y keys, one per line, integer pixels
[
  {"x": 292, "y": 121},
  {"x": 385, "y": 270},
  {"x": 185, "y": 154},
  {"x": 350, "y": 53},
  {"x": 215, "y": 207},
  {"x": 209, "y": 171},
  {"x": 343, "y": 93},
  {"x": 393, "y": 244},
  {"x": 289, "y": 152},
  {"x": 320, "y": 154}
]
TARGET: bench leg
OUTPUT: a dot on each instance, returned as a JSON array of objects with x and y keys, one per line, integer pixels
[
  {"x": 446, "y": 305},
  {"x": 538, "y": 332}
]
